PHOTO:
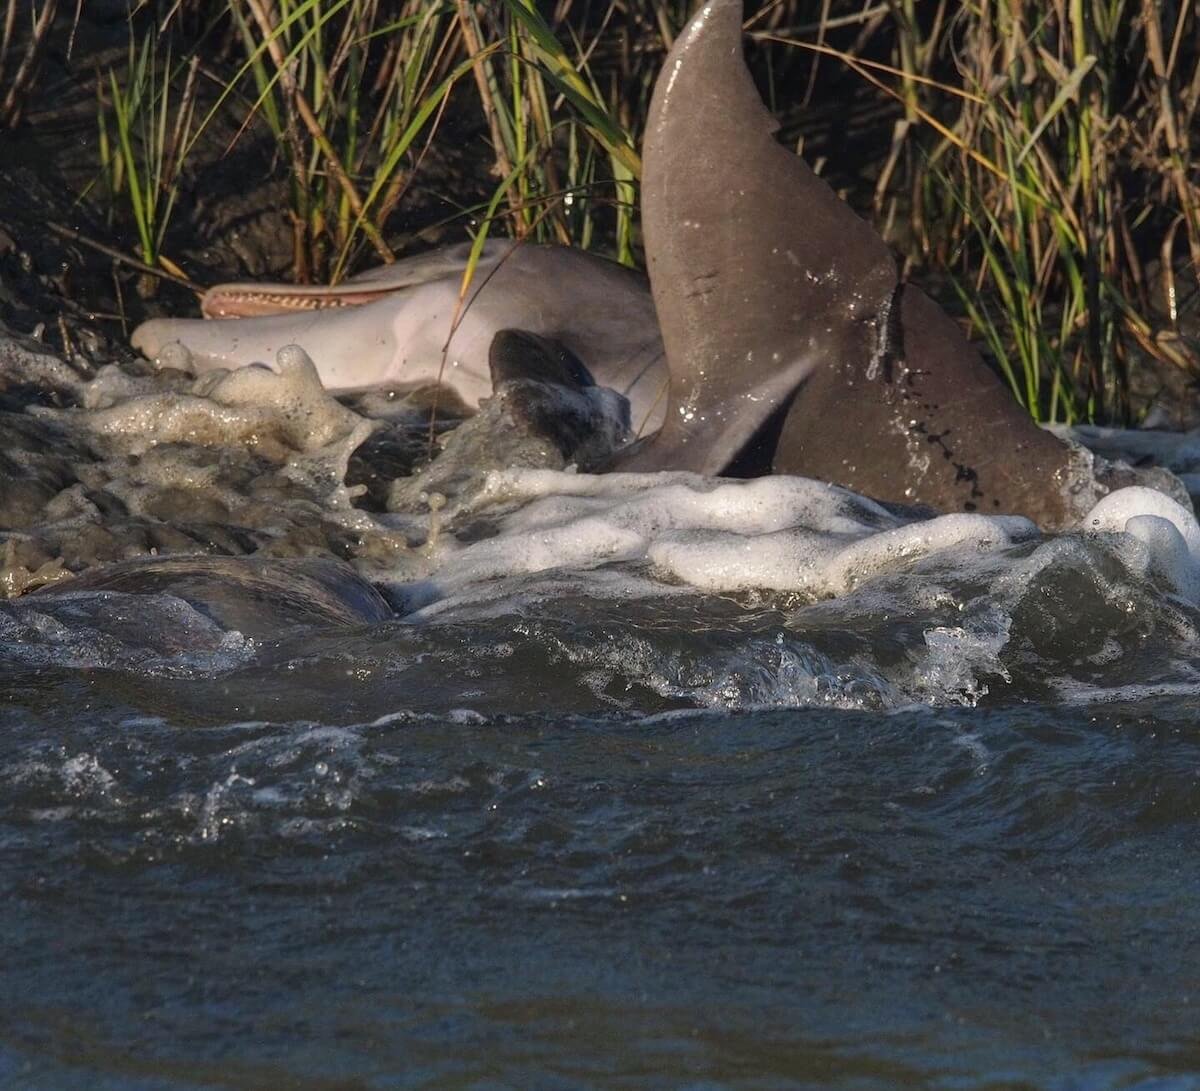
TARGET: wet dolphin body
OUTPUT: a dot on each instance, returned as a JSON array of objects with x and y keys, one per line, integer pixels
[
  {"x": 791, "y": 341},
  {"x": 260, "y": 597},
  {"x": 791, "y": 344},
  {"x": 391, "y": 325}
]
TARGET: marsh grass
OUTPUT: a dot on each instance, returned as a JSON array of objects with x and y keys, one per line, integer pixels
[
  {"x": 146, "y": 119},
  {"x": 1039, "y": 155},
  {"x": 24, "y": 36},
  {"x": 349, "y": 88},
  {"x": 1068, "y": 151}
]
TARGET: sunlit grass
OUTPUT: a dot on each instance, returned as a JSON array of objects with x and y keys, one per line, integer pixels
[
  {"x": 146, "y": 120},
  {"x": 1040, "y": 154},
  {"x": 1039, "y": 146}
]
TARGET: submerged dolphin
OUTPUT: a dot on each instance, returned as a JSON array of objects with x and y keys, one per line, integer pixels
[
  {"x": 791, "y": 344},
  {"x": 397, "y": 324},
  {"x": 261, "y": 597}
]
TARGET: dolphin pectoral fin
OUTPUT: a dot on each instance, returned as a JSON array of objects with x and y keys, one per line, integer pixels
[
  {"x": 760, "y": 272},
  {"x": 519, "y": 354},
  {"x": 545, "y": 391}
]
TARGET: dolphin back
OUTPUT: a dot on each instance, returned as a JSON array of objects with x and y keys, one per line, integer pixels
[{"x": 261, "y": 597}]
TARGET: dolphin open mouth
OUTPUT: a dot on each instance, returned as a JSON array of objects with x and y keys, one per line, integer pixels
[{"x": 256, "y": 300}]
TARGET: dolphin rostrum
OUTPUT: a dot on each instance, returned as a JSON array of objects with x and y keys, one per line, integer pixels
[
  {"x": 404, "y": 324},
  {"x": 790, "y": 340}
]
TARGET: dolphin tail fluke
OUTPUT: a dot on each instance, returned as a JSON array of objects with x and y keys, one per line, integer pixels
[
  {"x": 759, "y": 271},
  {"x": 790, "y": 342}
]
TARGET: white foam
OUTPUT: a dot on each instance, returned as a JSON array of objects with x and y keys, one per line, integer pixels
[
  {"x": 776, "y": 533},
  {"x": 1167, "y": 533},
  {"x": 779, "y": 534},
  {"x": 825, "y": 561},
  {"x": 282, "y": 415},
  {"x": 1114, "y": 512},
  {"x": 276, "y": 411}
]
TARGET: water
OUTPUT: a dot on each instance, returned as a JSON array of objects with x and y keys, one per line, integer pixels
[
  {"x": 344, "y": 863},
  {"x": 777, "y": 898},
  {"x": 651, "y": 782}
]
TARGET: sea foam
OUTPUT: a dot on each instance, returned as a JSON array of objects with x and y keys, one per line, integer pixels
[{"x": 781, "y": 534}]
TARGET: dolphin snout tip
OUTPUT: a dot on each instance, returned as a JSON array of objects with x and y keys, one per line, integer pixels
[
  {"x": 155, "y": 341},
  {"x": 147, "y": 338}
]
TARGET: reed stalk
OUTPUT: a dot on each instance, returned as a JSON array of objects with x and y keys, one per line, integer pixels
[
  {"x": 145, "y": 122},
  {"x": 14, "y": 92}
]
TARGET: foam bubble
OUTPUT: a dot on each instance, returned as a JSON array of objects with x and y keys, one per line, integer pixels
[
  {"x": 277, "y": 412},
  {"x": 1115, "y": 510},
  {"x": 774, "y": 533},
  {"x": 1168, "y": 532}
]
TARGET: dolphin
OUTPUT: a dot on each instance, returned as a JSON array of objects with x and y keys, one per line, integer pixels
[
  {"x": 792, "y": 344},
  {"x": 261, "y": 597},
  {"x": 404, "y": 324}
]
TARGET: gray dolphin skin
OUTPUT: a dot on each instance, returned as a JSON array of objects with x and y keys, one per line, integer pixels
[
  {"x": 403, "y": 324},
  {"x": 261, "y": 597},
  {"x": 791, "y": 343}
]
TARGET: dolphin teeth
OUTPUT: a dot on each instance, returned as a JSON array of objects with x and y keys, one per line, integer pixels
[{"x": 223, "y": 304}]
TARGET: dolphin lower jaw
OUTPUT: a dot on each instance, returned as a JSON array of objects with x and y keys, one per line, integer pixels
[{"x": 354, "y": 354}]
